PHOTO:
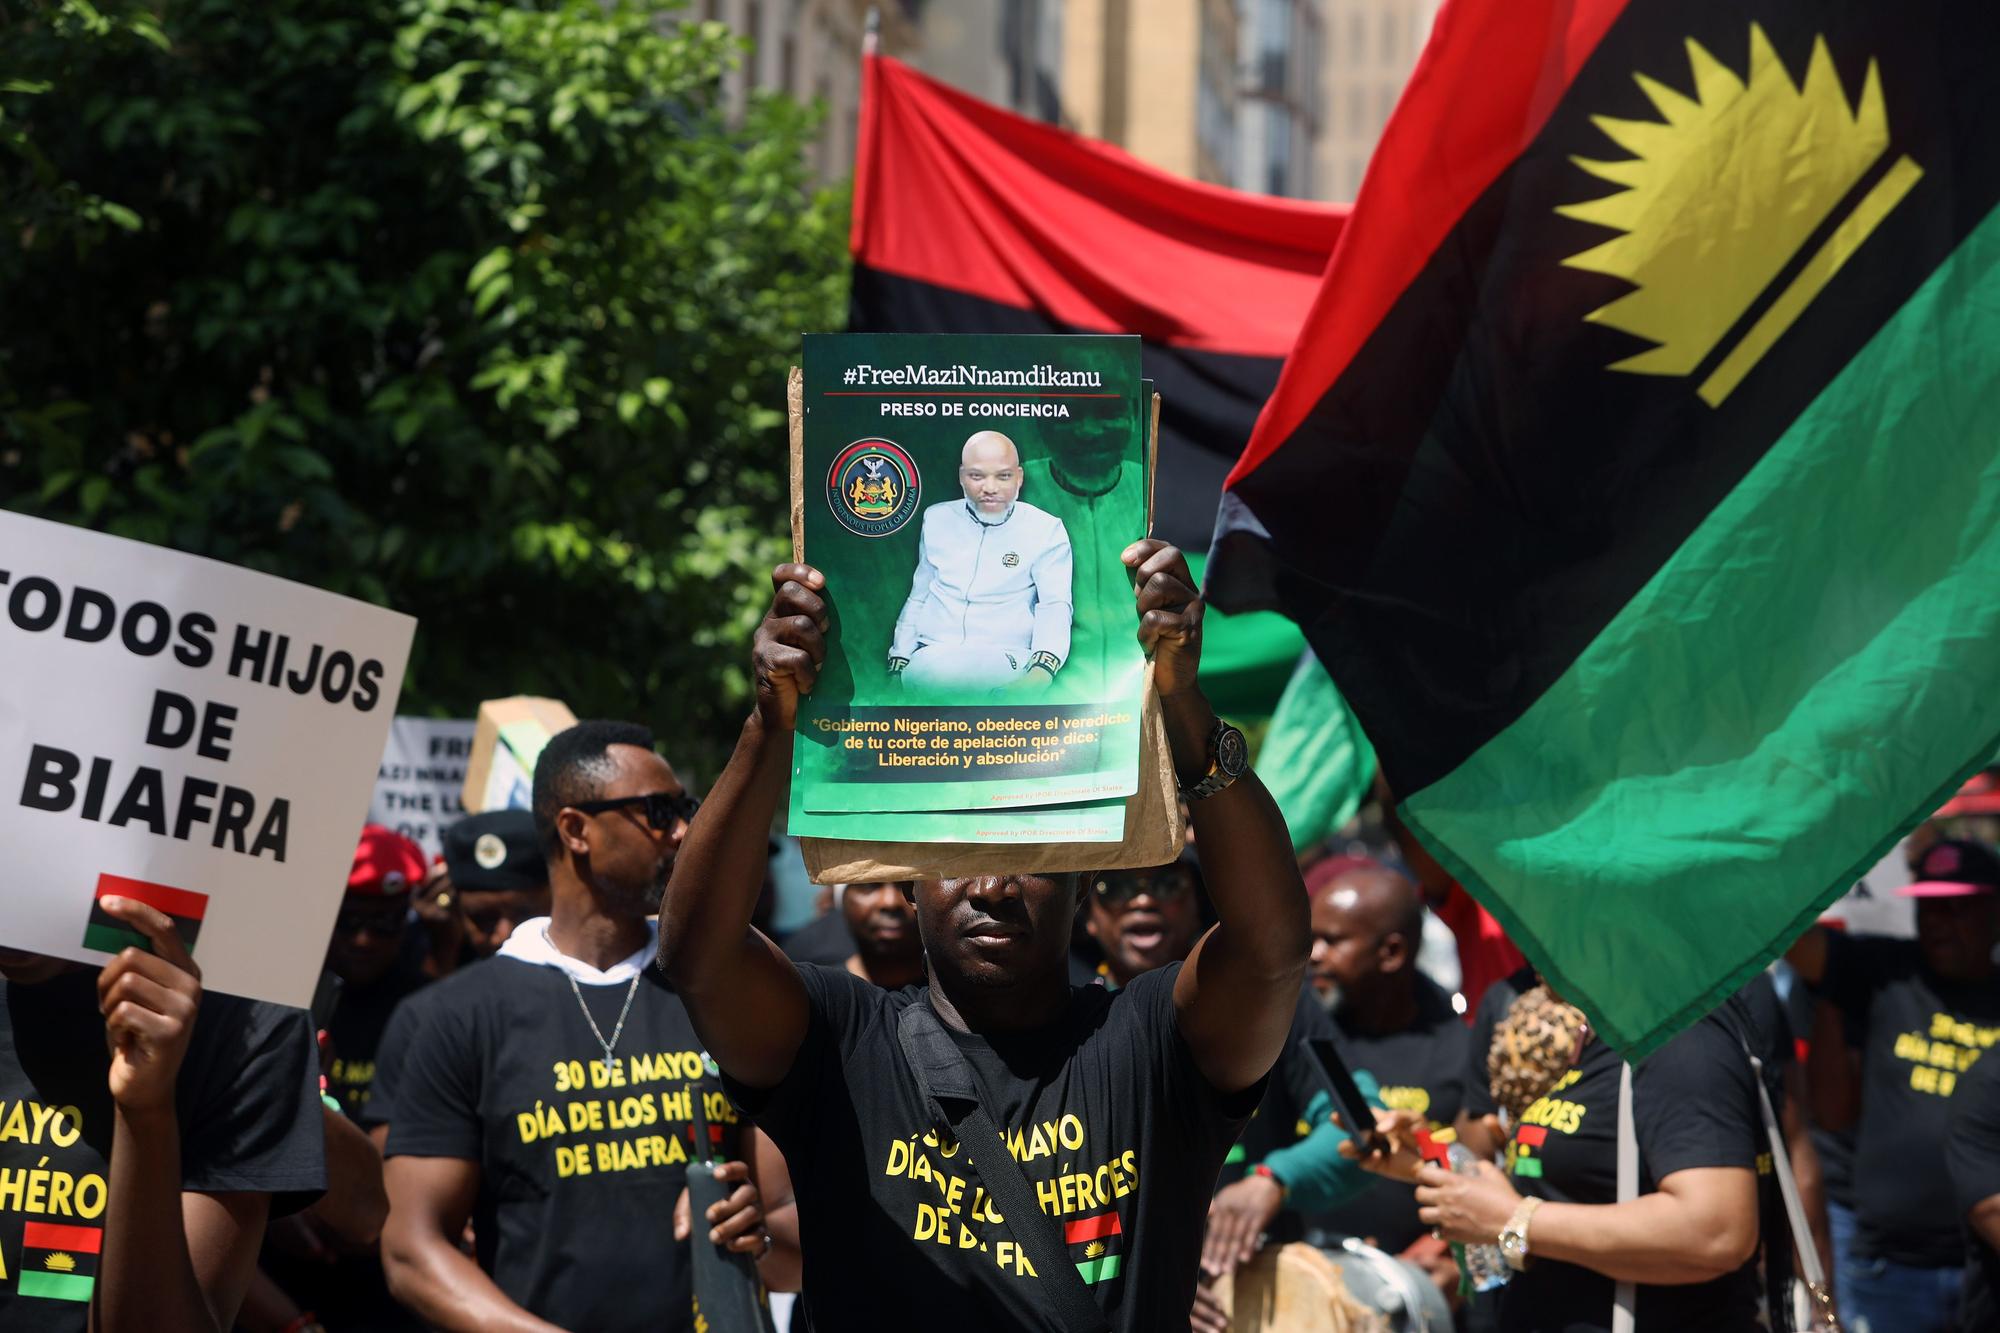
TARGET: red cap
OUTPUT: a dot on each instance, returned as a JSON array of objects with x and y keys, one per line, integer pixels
[
  {"x": 1325, "y": 871},
  {"x": 386, "y": 863},
  {"x": 1979, "y": 796}
]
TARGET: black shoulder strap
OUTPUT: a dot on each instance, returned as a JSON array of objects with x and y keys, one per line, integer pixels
[{"x": 950, "y": 1091}]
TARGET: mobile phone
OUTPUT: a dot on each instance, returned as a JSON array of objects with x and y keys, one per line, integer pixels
[{"x": 1354, "y": 1110}]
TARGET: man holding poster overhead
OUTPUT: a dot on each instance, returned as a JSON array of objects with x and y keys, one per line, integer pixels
[{"x": 1092, "y": 1092}]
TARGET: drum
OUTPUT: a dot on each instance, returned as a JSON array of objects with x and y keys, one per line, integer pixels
[
  {"x": 1400, "y": 1295},
  {"x": 1292, "y": 1289}
]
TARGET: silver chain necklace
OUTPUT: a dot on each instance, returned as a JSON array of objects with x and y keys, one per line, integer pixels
[{"x": 610, "y": 1061}]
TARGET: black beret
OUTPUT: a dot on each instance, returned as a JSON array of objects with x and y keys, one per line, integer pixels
[{"x": 495, "y": 852}]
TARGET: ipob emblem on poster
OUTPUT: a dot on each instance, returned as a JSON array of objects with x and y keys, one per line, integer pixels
[{"x": 873, "y": 488}]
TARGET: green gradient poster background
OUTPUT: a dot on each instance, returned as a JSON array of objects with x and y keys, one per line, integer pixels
[{"x": 886, "y": 415}]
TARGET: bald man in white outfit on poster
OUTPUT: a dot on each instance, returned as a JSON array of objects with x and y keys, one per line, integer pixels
[{"x": 990, "y": 605}]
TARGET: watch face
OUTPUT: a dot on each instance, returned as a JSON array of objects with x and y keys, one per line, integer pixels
[{"x": 1232, "y": 756}]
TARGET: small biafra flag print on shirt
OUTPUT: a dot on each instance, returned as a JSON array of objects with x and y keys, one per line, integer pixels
[
  {"x": 107, "y": 934},
  {"x": 1527, "y": 1138},
  {"x": 1093, "y": 1244},
  {"x": 59, "y": 1263}
]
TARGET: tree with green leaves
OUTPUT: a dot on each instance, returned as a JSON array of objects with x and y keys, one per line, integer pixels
[{"x": 475, "y": 308}]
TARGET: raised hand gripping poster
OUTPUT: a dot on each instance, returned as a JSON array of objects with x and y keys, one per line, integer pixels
[
  {"x": 968, "y": 499},
  {"x": 194, "y": 735}
]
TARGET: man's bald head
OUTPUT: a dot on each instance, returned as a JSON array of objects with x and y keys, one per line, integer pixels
[
  {"x": 989, "y": 448},
  {"x": 989, "y": 468},
  {"x": 1368, "y": 921}
]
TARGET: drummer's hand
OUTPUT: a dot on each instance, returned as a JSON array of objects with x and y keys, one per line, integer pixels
[
  {"x": 1238, "y": 1217},
  {"x": 1396, "y": 1131},
  {"x": 1434, "y": 1257},
  {"x": 1208, "y": 1316}
]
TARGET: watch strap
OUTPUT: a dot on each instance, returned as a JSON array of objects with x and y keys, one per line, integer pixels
[{"x": 1216, "y": 778}]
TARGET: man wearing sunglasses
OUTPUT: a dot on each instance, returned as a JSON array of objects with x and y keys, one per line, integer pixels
[
  {"x": 551, "y": 1094},
  {"x": 1288, "y": 1161},
  {"x": 1118, "y": 1108}
]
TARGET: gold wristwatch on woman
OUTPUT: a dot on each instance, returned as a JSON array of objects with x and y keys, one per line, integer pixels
[{"x": 1514, "y": 1236}]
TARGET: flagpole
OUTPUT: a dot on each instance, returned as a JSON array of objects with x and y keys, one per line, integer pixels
[{"x": 871, "y": 31}]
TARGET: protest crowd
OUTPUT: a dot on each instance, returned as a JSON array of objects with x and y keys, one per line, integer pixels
[
  {"x": 428, "y": 1148},
  {"x": 1607, "y": 941}
]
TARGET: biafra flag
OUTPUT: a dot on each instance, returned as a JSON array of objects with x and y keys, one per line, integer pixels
[
  {"x": 1637, "y": 472},
  {"x": 107, "y": 934},
  {"x": 969, "y": 219},
  {"x": 58, "y": 1262}
]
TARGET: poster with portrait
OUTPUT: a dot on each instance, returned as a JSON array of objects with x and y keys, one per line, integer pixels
[{"x": 969, "y": 499}]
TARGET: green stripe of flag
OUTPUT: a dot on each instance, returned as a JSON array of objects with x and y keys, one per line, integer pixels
[
  {"x": 1527, "y": 1166},
  {"x": 112, "y": 939},
  {"x": 55, "y": 1286},
  {"x": 1810, "y": 659},
  {"x": 1100, "y": 1270}
]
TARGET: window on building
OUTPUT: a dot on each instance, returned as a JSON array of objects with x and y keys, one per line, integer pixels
[
  {"x": 1357, "y": 39},
  {"x": 1278, "y": 178},
  {"x": 1309, "y": 58},
  {"x": 1273, "y": 35}
]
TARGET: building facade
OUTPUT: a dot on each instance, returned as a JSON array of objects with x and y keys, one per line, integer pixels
[
  {"x": 1369, "y": 48},
  {"x": 1277, "y": 96}
]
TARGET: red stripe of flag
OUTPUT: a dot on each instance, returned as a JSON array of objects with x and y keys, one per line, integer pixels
[
  {"x": 1532, "y": 1135},
  {"x": 1495, "y": 69},
  {"x": 964, "y": 196},
  {"x": 1091, "y": 1228},
  {"x": 172, "y": 901},
  {"x": 50, "y": 1236}
]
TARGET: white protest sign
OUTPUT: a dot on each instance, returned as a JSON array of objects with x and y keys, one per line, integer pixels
[
  {"x": 419, "y": 789},
  {"x": 188, "y": 733}
]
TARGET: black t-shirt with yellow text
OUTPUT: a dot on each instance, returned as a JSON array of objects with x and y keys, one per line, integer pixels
[
  {"x": 1115, "y": 1127},
  {"x": 1972, "y": 1155},
  {"x": 1694, "y": 1104},
  {"x": 247, "y": 1103},
  {"x": 354, "y": 1034},
  {"x": 579, "y": 1166},
  {"x": 1421, "y": 1069},
  {"x": 1916, "y": 1034}
]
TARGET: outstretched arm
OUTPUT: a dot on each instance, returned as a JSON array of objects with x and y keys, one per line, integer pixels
[
  {"x": 1237, "y": 991},
  {"x": 743, "y": 994}
]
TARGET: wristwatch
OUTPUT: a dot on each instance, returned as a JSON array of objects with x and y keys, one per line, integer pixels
[
  {"x": 1514, "y": 1236},
  {"x": 1228, "y": 759}
]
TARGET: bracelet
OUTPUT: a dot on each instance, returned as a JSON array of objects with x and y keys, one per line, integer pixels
[
  {"x": 1284, "y": 1190},
  {"x": 896, "y": 665},
  {"x": 1047, "y": 661}
]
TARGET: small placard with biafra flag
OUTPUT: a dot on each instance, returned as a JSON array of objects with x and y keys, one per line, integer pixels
[{"x": 186, "y": 734}]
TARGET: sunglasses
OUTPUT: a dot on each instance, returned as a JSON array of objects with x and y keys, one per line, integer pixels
[
  {"x": 1166, "y": 886},
  {"x": 385, "y": 918},
  {"x": 660, "y": 808}
]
